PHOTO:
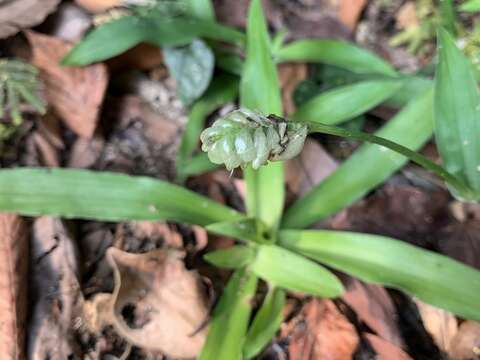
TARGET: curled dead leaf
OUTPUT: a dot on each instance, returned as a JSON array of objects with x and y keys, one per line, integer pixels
[
  {"x": 75, "y": 94},
  {"x": 386, "y": 350},
  {"x": 13, "y": 285},
  {"x": 466, "y": 343},
  {"x": 21, "y": 14},
  {"x": 157, "y": 303}
]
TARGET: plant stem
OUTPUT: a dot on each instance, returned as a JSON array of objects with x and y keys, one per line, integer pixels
[{"x": 464, "y": 191}]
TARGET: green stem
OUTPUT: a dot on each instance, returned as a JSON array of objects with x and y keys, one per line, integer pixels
[{"x": 417, "y": 158}]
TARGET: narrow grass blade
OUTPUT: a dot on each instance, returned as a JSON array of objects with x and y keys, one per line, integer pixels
[
  {"x": 294, "y": 272},
  {"x": 104, "y": 196},
  {"x": 230, "y": 319},
  {"x": 431, "y": 277},
  {"x": 260, "y": 90},
  {"x": 457, "y": 113},
  {"x": 266, "y": 323},
  {"x": 367, "y": 168},
  {"x": 337, "y": 53},
  {"x": 346, "y": 102}
]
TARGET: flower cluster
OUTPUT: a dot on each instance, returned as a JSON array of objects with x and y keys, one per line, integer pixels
[{"x": 245, "y": 137}]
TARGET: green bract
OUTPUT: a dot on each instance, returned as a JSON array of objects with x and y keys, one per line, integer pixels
[{"x": 245, "y": 137}]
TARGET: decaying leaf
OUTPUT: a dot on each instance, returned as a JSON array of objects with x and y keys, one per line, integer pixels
[
  {"x": 157, "y": 303},
  {"x": 75, "y": 94},
  {"x": 386, "y": 350},
  {"x": 56, "y": 292},
  {"x": 290, "y": 75},
  {"x": 328, "y": 335},
  {"x": 374, "y": 307},
  {"x": 441, "y": 324},
  {"x": 349, "y": 11},
  {"x": 13, "y": 285},
  {"x": 16, "y": 15},
  {"x": 466, "y": 344}
]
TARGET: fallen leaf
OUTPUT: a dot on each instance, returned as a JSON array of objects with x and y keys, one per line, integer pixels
[
  {"x": 85, "y": 152},
  {"x": 290, "y": 75},
  {"x": 466, "y": 343},
  {"x": 327, "y": 334},
  {"x": 386, "y": 350},
  {"x": 75, "y": 94},
  {"x": 13, "y": 285},
  {"x": 407, "y": 16},
  {"x": 312, "y": 166},
  {"x": 349, "y": 11},
  {"x": 440, "y": 324},
  {"x": 157, "y": 304},
  {"x": 57, "y": 299},
  {"x": 375, "y": 308},
  {"x": 48, "y": 152},
  {"x": 98, "y": 6},
  {"x": 21, "y": 14}
]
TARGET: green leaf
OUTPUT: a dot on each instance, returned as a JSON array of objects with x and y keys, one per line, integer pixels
[
  {"x": 367, "y": 168},
  {"x": 223, "y": 89},
  {"x": 234, "y": 257},
  {"x": 346, "y": 102},
  {"x": 192, "y": 67},
  {"x": 196, "y": 165},
  {"x": 294, "y": 272},
  {"x": 470, "y": 6},
  {"x": 266, "y": 323},
  {"x": 431, "y": 277},
  {"x": 117, "y": 36},
  {"x": 104, "y": 196},
  {"x": 245, "y": 230},
  {"x": 337, "y": 53},
  {"x": 230, "y": 319},
  {"x": 260, "y": 90},
  {"x": 201, "y": 9},
  {"x": 457, "y": 113},
  {"x": 447, "y": 11}
]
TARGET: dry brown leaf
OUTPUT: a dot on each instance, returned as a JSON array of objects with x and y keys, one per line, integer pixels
[
  {"x": 57, "y": 296},
  {"x": 374, "y": 306},
  {"x": 157, "y": 303},
  {"x": 21, "y": 14},
  {"x": 290, "y": 75},
  {"x": 466, "y": 344},
  {"x": 75, "y": 94},
  {"x": 13, "y": 285},
  {"x": 85, "y": 152},
  {"x": 440, "y": 324},
  {"x": 386, "y": 350},
  {"x": 312, "y": 166},
  {"x": 407, "y": 16},
  {"x": 349, "y": 11},
  {"x": 327, "y": 334},
  {"x": 98, "y": 6}
]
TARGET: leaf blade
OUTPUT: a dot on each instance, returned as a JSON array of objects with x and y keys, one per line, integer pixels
[
  {"x": 432, "y": 277},
  {"x": 104, "y": 196},
  {"x": 457, "y": 110}
]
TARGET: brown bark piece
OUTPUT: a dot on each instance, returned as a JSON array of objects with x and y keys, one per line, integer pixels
[
  {"x": 13, "y": 285},
  {"x": 327, "y": 334},
  {"x": 21, "y": 14},
  {"x": 75, "y": 93}
]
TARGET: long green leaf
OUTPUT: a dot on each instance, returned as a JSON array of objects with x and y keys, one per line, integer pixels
[
  {"x": 117, "y": 36},
  {"x": 234, "y": 257},
  {"x": 294, "y": 272},
  {"x": 266, "y": 323},
  {"x": 230, "y": 319},
  {"x": 338, "y": 53},
  {"x": 457, "y": 113},
  {"x": 346, "y": 102},
  {"x": 244, "y": 230},
  {"x": 104, "y": 196},
  {"x": 201, "y": 9},
  {"x": 368, "y": 167},
  {"x": 260, "y": 90},
  {"x": 431, "y": 277}
]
